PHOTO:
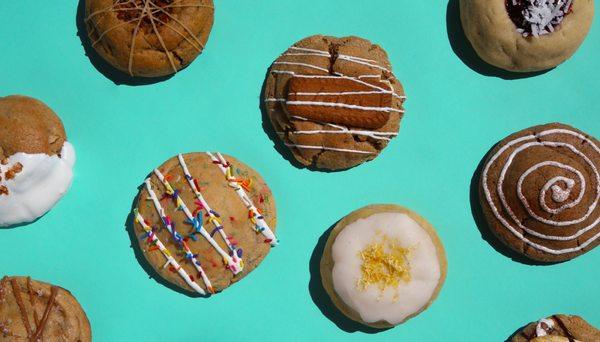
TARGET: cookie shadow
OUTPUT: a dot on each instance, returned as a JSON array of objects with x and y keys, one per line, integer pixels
[
  {"x": 464, "y": 50},
  {"x": 320, "y": 297},
  {"x": 23, "y": 224},
  {"x": 116, "y": 76},
  {"x": 129, "y": 222},
  {"x": 484, "y": 229}
]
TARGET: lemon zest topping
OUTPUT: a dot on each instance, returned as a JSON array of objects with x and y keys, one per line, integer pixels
[{"x": 384, "y": 264}]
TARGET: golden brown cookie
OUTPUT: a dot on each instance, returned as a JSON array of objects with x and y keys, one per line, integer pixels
[
  {"x": 526, "y": 35},
  {"x": 205, "y": 221},
  {"x": 382, "y": 265},
  {"x": 540, "y": 192},
  {"x": 149, "y": 38},
  {"x": 334, "y": 102},
  {"x": 36, "y": 160},
  {"x": 28, "y": 125},
  {"x": 558, "y": 328},
  {"x": 32, "y": 310}
]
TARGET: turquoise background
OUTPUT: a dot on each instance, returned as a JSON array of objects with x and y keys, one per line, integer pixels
[{"x": 120, "y": 132}]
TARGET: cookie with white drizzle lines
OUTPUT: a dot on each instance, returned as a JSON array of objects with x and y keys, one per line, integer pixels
[
  {"x": 32, "y": 310},
  {"x": 526, "y": 35},
  {"x": 540, "y": 192},
  {"x": 149, "y": 38},
  {"x": 334, "y": 102},
  {"x": 558, "y": 328},
  {"x": 204, "y": 221}
]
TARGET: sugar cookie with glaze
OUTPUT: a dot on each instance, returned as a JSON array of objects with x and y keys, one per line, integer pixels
[
  {"x": 382, "y": 265},
  {"x": 204, "y": 221},
  {"x": 526, "y": 35},
  {"x": 36, "y": 160},
  {"x": 540, "y": 192},
  {"x": 557, "y": 328}
]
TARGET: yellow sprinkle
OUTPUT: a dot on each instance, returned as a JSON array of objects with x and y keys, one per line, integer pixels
[{"x": 384, "y": 264}]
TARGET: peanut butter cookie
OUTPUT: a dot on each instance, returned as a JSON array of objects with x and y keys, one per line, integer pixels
[{"x": 558, "y": 328}]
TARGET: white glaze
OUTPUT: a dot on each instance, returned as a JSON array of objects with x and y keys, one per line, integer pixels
[
  {"x": 393, "y": 305},
  {"x": 539, "y": 328},
  {"x": 38, "y": 187},
  {"x": 551, "y": 223}
]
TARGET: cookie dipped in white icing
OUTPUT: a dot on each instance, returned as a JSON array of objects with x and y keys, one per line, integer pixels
[
  {"x": 384, "y": 266},
  {"x": 31, "y": 184}
]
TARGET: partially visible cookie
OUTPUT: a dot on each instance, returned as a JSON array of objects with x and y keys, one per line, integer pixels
[
  {"x": 32, "y": 310},
  {"x": 540, "y": 192},
  {"x": 334, "y": 102},
  {"x": 526, "y": 35},
  {"x": 205, "y": 221},
  {"x": 149, "y": 38},
  {"x": 382, "y": 265},
  {"x": 36, "y": 160},
  {"x": 558, "y": 328}
]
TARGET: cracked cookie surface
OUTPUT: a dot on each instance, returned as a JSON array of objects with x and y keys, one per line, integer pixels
[
  {"x": 334, "y": 102},
  {"x": 149, "y": 38}
]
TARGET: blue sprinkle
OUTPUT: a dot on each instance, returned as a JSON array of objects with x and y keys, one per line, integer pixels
[
  {"x": 188, "y": 177},
  {"x": 239, "y": 253}
]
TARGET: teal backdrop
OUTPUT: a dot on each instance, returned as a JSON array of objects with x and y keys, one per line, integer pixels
[{"x": 457, "y": 109}]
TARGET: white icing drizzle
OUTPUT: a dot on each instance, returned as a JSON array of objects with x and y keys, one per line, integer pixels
[
  {"x": 38, "y": 187},
  {"x": 543, "y": 15},
  {"x": 540, "y": 330},
  {"x": 340, "y": 129},
  {"x": 170, "y": 260},
  {"x": 315, "y": 147},
  {"x": 163, "y": 215},
  {"x": 342, "y": 105},
  {"x": 232, "y": 265},
  {"x": 211, "y": 213},
  {"x": 258, "y": 220},
  {"x": 550, "y": 223}
]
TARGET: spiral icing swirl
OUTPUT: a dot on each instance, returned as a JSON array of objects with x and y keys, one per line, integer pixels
[{"x": 544, "y": 187}]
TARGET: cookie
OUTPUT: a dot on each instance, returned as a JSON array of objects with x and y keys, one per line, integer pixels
[
  {"x": 205, "y": 221},
  {"x": 526, "y": 35},
  {"x": 334, "y": 102},
  {"x": 36, "y": 160},
  {"x": 382, "y": 265},
  {"x": 558, "y": 328},
  {"x": 149, "y": 38},
  {"x": 32, "y": 310},
  {"x": 540, "y": 189}
]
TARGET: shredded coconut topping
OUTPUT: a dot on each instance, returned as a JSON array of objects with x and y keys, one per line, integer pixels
[{"x": 538, "y": 17}]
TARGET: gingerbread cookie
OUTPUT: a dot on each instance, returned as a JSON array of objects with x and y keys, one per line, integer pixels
[
  {"x": 205, "y": 221},
  {"x": 558, "y": 328},
  {"x": 526, "y": 35},
  {"x": 540, "y": 190},
  {"x": 382, "y": 265},
  {"x": 32, "y": 310},
  {"x": 36, "y": 160},
  {"x": 149, "y": 38},
  {"x": 334, "y": 102}
]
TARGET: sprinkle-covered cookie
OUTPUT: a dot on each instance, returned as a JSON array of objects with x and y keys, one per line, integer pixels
[
  {"x": 32, "y": 310},
  {"x": 334, "y": 102},
  {"x": 558, "y": 328},
  {"x": 204, "y": 221},
  {"x": 149, "y": 38},
  {"x": 540, "y": 192},
  {"x": 382, "y": 265},
  {"x": 36, "y": 160},
  {"x": 526, "y": 35}
]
